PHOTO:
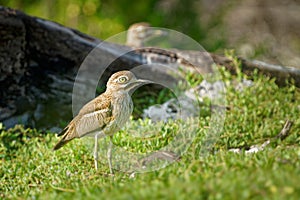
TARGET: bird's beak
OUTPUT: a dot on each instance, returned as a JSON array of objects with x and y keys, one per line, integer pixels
[
  {"x": 155, "y": 33},
  {"x": 143, "y": 82},
  {"x": 139, "y": 82}
]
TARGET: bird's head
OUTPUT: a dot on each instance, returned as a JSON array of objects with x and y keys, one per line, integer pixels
[
  {"x": 139, "y": 33},
  {"x": 124, "y": 81}
]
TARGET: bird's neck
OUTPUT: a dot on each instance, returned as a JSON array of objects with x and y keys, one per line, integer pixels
[{"x": 117, "y": 93}]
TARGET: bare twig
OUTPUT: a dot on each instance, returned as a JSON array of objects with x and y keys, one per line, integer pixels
[
  {"x": 62, "y": 189},
  {"x": 285, "y": 130},
  {"x": 259, "y": 147},
  {"x": 161, "y": 155}
]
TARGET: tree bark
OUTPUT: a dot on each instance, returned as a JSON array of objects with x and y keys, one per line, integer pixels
[{"x": 39, "y": 61}]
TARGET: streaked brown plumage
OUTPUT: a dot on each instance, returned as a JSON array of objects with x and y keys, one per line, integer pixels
[{"x": 104, "y": 115}]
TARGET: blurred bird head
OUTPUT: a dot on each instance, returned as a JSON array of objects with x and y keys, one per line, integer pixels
[{"x": 139, "y": 33}]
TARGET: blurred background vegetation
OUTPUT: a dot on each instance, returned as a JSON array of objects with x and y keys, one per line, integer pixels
[{"x": 267, "y": 30}]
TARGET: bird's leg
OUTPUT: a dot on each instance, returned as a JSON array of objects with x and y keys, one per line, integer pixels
[
  {"x": 96, "y": 149},
  {"x": 109, "y": 154}
]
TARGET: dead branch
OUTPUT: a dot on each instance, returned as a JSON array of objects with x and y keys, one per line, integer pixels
[{"x": 285, "y": 130}]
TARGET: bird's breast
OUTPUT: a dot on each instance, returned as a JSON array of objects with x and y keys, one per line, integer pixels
[{"x": 122, "y": 108}]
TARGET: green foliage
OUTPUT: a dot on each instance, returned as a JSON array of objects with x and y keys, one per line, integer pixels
[
  {"x": 103, "y": 18},
  {"x": 15, "y": 138},
  {"x": 144, "y": 136},
  {"x": 30, "y": 169},
  {"x": 145, "y": 97},
  {"x": 236, "y": 64}
]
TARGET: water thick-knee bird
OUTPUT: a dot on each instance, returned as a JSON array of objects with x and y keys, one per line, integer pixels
[{"x": 104, "y": 115}]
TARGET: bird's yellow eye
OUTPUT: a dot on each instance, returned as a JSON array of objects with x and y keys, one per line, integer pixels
[{"x": 122, "y": 79}]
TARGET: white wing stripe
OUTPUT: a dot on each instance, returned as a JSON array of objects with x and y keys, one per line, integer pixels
[{"x": 95, "y": 113}]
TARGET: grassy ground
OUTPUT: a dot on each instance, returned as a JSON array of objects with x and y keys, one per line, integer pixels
[{"x": 31, "y": 170}]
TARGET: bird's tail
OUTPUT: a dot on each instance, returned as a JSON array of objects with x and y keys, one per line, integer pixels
[{"x": 65, "y": 138}]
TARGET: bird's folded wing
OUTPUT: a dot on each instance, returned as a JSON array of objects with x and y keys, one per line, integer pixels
[
  {"x": 94, "y": 121},
  {"x": 99, "y": 103},
  {"x": 92, "y": 117}
]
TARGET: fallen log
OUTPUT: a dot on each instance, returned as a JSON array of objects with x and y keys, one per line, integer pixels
[
  {"x": 39, "y": 61},
  {"x": 281, "y": 73}
]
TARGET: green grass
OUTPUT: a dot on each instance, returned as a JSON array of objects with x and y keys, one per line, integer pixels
[{"x": 31, "y": 170}]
